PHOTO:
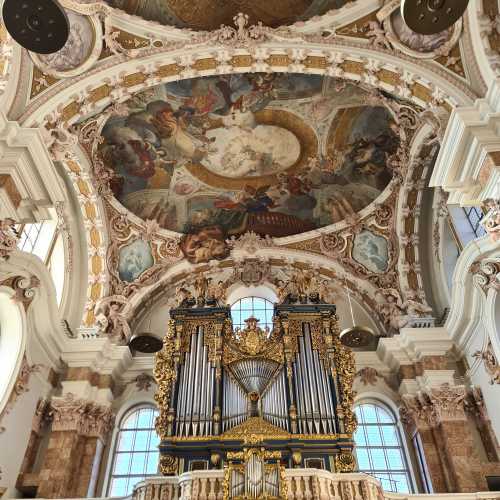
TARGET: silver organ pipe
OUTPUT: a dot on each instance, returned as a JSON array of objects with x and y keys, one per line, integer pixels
[
  {"x": 274, "y": 402},
  {"x": 306, "y": 387},
  {"x": 195, "y": 402},
  {"x": 235, "y": 404},
  {"x": 316, "y": 410}
]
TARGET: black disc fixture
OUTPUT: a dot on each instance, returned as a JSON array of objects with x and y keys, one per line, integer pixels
[
  {"x": 40, "y": 26},
  {"x": 146, "y": 343},
  {"x": 428, "y": 17}
]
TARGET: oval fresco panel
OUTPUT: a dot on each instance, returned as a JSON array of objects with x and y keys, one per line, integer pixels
[
  {"x": 416, "y": 41},
  {"x": 134, "y": 259},
  {"x": 243, "y": 153},
  {"x": 371, "y": 251}
]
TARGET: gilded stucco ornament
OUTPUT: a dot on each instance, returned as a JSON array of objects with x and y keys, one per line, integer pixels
[
  {"x": 165, "y": 374},
  {"x": 345, "y": 462}
]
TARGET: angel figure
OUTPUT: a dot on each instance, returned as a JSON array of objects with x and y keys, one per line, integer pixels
[
  {"x": 391, "y": 308},
  {"x": 201, "y": 287},
  {"x": 111, "y": 321},
  {"x": 281, "y": 290},
  {"x": 416, "y": 309},
  {"x": 217, "y": 291},
  {"x": 302, "y": 281}
]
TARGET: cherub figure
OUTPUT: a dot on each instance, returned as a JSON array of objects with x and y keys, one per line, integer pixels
[
  {"x": 111, "y": 321},
  {"x": 391, "y": 308},
  {"x": 217, "y": 291}
]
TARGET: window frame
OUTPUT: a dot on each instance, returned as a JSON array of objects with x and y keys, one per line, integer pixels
[
  {"x": 113, "y": 450},
  {"x": 402, "y": 439}
]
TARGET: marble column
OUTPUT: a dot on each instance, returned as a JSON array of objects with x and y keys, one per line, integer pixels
[
  {"x": 452, "y": 456},
  {"x": 79, "y": 427}
]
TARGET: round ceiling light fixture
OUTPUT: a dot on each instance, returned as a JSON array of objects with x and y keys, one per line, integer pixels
[
  {"x": 428, "y": 17},
  {"x": 356, "y": 335},
  {"x": 145, "y": 343},
  {"x": 40, "y": 26}
]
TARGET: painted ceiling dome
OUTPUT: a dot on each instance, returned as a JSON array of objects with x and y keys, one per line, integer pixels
[
  {"x": 276, "y": 154},
  {"x": 211, "y": 14}
]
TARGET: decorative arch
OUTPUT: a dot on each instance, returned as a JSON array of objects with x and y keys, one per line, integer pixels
[
  {"x": 12, "y": 341},
  {"x": 180, "y": 54}
]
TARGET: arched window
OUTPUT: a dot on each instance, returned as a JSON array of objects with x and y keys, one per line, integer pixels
[
  {"x": 259, "y": 308},
  {"x": 136, "y": 451},
  {"x": 379, "y": 447}
]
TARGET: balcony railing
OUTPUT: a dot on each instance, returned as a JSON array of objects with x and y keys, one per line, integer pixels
[{"x": 302, "y": 484}]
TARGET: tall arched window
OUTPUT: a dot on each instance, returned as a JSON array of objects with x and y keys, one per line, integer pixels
[
  {"x": 379, "y": 447},
  {"x": 136, "y": 451}
]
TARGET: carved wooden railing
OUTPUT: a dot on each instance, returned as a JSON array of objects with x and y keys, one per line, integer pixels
[{"x": 302, "y": 484}]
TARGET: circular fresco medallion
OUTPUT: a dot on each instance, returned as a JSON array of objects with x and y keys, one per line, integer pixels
[
  {"x": 419, "y": 45},
  {"x": 79, "y": 53}
]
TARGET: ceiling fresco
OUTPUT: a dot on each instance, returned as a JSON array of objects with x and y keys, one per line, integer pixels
[
  {"x": 275, "y": 154},
  {"x": 211, "y": 14}
]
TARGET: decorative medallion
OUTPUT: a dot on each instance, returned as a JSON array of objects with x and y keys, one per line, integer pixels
[
  {"x": 79, "y": 53},
  {"x": 134, "y": 259},
  {"x": 371, "y": 251}
]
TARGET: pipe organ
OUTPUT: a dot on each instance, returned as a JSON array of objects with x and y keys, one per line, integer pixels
[{"x": 254, "y": 401}]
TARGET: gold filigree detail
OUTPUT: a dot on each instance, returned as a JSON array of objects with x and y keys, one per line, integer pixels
[
  {"x": 165, "y": 374},
  {"x": 254, "y": 431},
  {"x": 346, "y": 371},
  {"x": 252, "y": 342},
  {"x": 169, "y": 465},
  {"x": 345, "y": 462}
]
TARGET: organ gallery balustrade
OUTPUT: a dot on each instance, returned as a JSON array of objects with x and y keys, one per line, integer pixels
[{"x": 301, "y": 484}]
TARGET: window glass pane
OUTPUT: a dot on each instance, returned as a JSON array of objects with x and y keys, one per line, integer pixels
[
  {"x": 385, "y": 479},
  {"x": 389, "y": 435},
  {"x": 152, "y": 466},
  {"x": 122, "y": 464},
  {"x": 246, "y": 303},
  {"x": 119, "y": 487},
  {"x": 369, "y": 414},
  {"x": 359, "y": 436},
  {"x": 378, "y": 459},
  {"x": 138, "y": 465},
  {"x": 126, "y": 441},
  {"x": 363, "y": 459},
  {"x": 138, "y": 438},
  {"x": 154, "y": 442},
  {"x": 131, "y": 421},
  {"x": 384, "y": 417},
  {"x": 260, "y": 308},
  {"x": 144, "y": 419},
  {"x": 378, "y": 447},
  {"x": 400, "y": 483},
  {"x": 373, "y": 435},
  {"x": 395, "y": 459},
  {"x": 141, "y": 441}
]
